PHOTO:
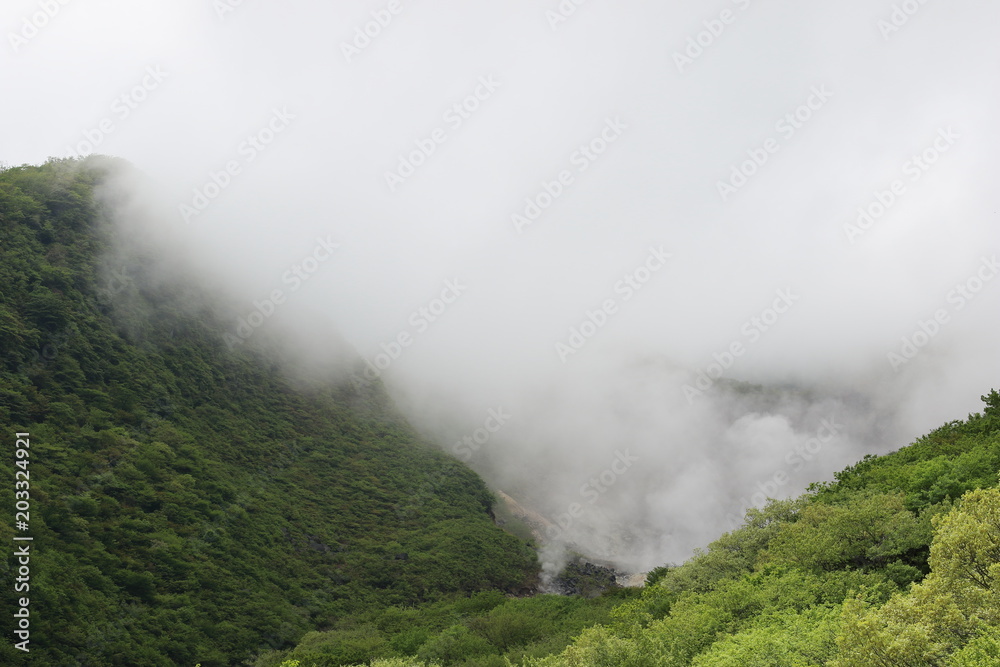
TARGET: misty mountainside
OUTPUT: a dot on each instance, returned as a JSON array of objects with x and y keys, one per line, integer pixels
[
  {"x": 190, "y": 503},
  {"x": 896, "y": 562},
  {"x": 199, "y": 502}
]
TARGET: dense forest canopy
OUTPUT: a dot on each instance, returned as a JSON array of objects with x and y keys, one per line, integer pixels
[{"x": 190, "y": 504}]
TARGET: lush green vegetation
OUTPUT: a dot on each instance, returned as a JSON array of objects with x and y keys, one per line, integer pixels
[
  {"x": 894, "y": 564},
  {"x": 486, "y": 629},
  {"x": 188, "y": 503}
]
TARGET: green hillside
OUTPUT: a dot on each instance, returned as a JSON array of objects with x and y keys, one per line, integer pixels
[
  {"x": 187, "y": 502},
  {"x": 191, "y": 504},
  {"x": 894, "y": 564}
]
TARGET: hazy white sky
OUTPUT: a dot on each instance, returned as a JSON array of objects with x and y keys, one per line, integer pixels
[{"x": 473, "y": 182}]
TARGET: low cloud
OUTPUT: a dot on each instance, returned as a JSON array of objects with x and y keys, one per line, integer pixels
[{"x": 842, "y": 155}]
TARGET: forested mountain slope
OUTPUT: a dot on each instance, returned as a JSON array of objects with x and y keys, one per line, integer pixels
[
  {"x": 894, "y": 564},
  {"x": 188, "y": 503}
]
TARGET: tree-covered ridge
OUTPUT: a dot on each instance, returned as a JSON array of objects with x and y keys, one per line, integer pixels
[
  {"x": 894, "y": 564},
  {"x": 188, "y": 503}
]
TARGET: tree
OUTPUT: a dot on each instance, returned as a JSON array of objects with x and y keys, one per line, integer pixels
[
  {"x": 992, "y": 401},
  {"x": 783, "y": 639},
  {"x": 954, "y": 606},
  {"x": 966, "y": 553},
  {"x": 867, "y": 532}
]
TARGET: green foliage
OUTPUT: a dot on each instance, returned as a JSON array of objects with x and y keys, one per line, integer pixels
[
  {"x": 408, "y": 642},
  {"x": 656, "y": 574},
  {"x": 484, "y": 628},
  {"x": 982, "y": 651},
  {"x": 992, "y": 401},
  {"x": 886, "y": 566},
  {"x": 940, "y": 615},
  {"x": 938, "y": 467},
  {"x": 951, "y": 616},
  {"x": 919, "y": 628},
  {"x": 456, "y": 644},
  {"x": 400, "y": 662},
  {"x": 866, "y": 532},
  {"x": 194, "y": 504},
  {"x": 736, "y": 552},
  {"x": 781, "y": 639},
  {"x": 966, "y": 552},
  {"x": 342, "y": 647},
  {"x": 506, "y": 629},
  {"x": 600, "y": 647}
]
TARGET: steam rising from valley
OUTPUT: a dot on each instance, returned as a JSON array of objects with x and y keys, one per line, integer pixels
[{"x": 637, "y": 285}]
